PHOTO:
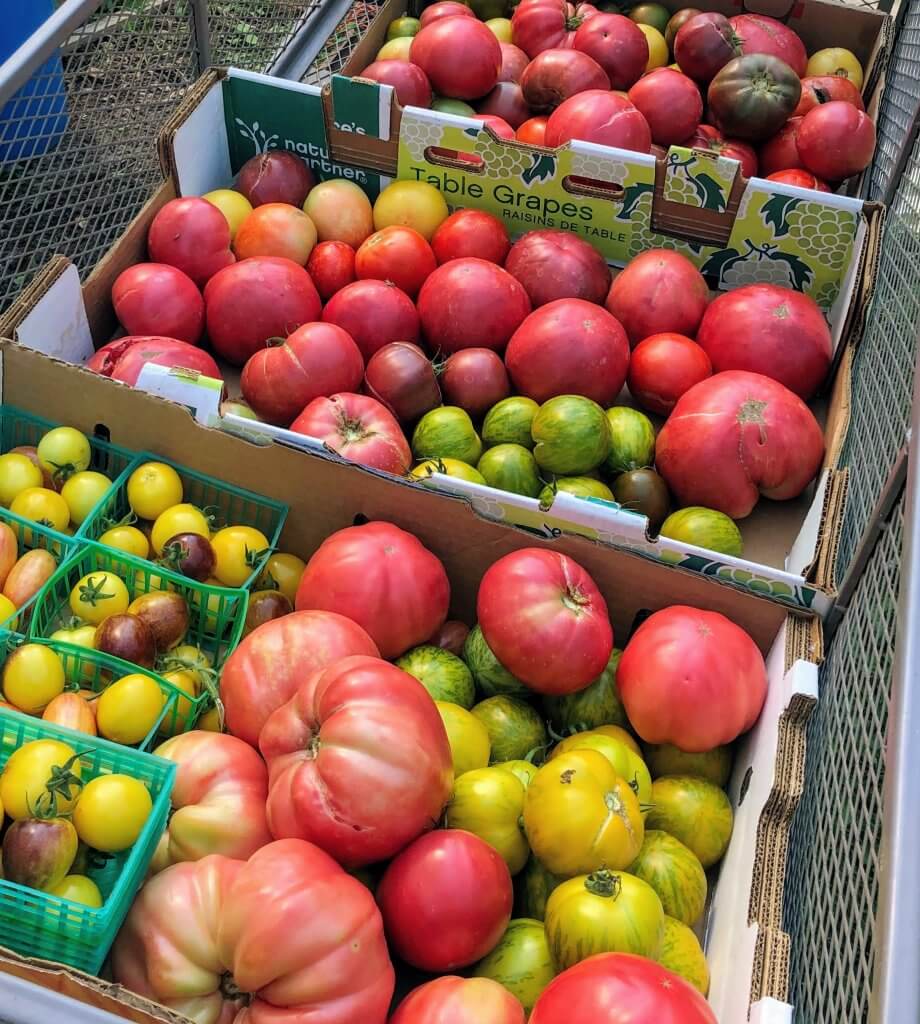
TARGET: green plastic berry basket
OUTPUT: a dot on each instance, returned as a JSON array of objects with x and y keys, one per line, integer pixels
[
  {"x": 22, "y": 428},
  {"x": 86, "y": 669},
  {"x": 216, "y": 614},
  {"x": 226, "y": 504},
  {"x": 36, "y": 924},
  {"x": 60, "y": 548}
]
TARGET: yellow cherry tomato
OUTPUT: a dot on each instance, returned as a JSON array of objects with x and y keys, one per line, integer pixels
[
  {"x": 129, "y": 708},
  {"x": 7, "y": 613},
  {"x": 17, "y": 473},
  {"x": 41, "y": 505},
  {"x": 83, "y": 491},
  {"x": 580, "y": 816},
  {"x": 63, "y": 452},
  {"x": 190, "y": 658},
  {"x": 658, "y": 53},
  {"x": 27, "y": 773},
  {"x": 523, "y": 771},
  {"x": 233, "y": 205},
  {"x": 625, "y": 760},
  {"x": 152, "y": 489},
  {"x": 238, "y": 550},
  {"x": 282, "y": 572},
  {"x": 835, "y": 60},
  {"x": 78, "y": 635},
  {"x": 395, "y": 49},
  {"x": 78, "y": 889},
  {"x": 210, "y": 720},
  {"x": 621, "y": 734},
  {"x": 177, "y": 717},
  {"x": 500, "y": 28},
  {"x": 33, "y": 676},
  {"x": 412, "y": 204},
  {"x": 489, "y": 802},
  {"x": 98, "y": 595},
  {"x": 183, "y": 518},
  {"x": 468, "y": 737},
  {"x": 111, "y": 812},
  {"x": 128, "y": 539}
]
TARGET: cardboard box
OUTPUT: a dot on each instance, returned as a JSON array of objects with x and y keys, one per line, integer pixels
[
  {"x": 789, "y": 546},
  {"x": 747, "y": 952}
]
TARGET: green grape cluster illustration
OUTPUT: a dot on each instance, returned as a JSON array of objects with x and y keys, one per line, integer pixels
[
  {"x": 417, "y": 136},
  {"x": 822, "y": 231}
]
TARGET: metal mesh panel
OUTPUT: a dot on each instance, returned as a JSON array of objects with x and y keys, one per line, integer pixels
[
  {"x": 249, "y": 34},
  {"x": 884, "y": 364},
  {"x": 832, "y": 880},
  {"x": 899, "y": 102},
  {"x": 334, "y": 55}
]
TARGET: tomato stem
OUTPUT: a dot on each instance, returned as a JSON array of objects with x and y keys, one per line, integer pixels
[
  {"x": 604, "y": 883},
  {"x": 92, "y": 592}
]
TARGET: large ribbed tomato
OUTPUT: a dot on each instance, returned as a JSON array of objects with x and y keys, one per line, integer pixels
[
  {"x": 218, "y": 800},
  {"x": 270, "y": 663},
  {"x": 620, "y": 988},
  {"x": 284, "y": 937},
  {"x": 545, "y": 620},
  {"x": 759, "y": 34},
  {"x": 382, "y": 578},
  {"x": 691, "y": 678},
  {"x": 124, "y": 358},
  {"x": 359, "y": 761},
  {"x": 453, "y": 1000},
  {"x": 539, "y": 25},
  {"x": 735, "y": 436}
]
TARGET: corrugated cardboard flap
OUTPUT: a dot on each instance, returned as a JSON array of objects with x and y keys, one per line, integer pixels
[
  {"x": 192, "y": 98},
  {"x": 31, "y": 294},
  {"x": 770, "y": 978}
]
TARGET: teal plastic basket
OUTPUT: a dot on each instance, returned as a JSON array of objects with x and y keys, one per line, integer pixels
[
  {"x": 217, "y": 615},
  {"x": 35, "y": 924},
  {"x": 227, "y": 504},
  {"x": 22, "y": 428}
]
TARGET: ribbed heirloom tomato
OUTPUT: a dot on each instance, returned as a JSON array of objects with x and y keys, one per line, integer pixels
[{"x": 125, "y": 358}]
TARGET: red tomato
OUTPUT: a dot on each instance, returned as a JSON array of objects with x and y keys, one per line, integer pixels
[
  {"x": 383, "y": 578},
  {"x": 331, "y": 266},
  {"x": 471, "y": 303},
  {"x": 255, "y": 300},
  {"x": 781, "y": 153},
  {"x": 218, "y": 799},
  {"x": 818, "y": 89},
  {"x": 276, "y": 229},
  {"x": 275, "y": 177},
  {"x": 569, "y": 347},
  {"x": 759, "y": 34},
  {"x": 359, "y": 428},
  {"x": 445, "y": 9},
  {"x": 316, "y": 360},
  {"x": 555, "y": 75},
  {"x": 533, "y": 131},
  {"x": 499, "y": 125},
  {"x": 374, "y": 313},
  {"x": 514, "y": 60},
  {"x": 539, "y": 25},
  {"x": 836, "y": 140},
  {"x": 397, "y": 254},
  {"x": 704, "y": 44},
  {"x": 471, "y": 233},
  {"x": 658, "y": 291},
  {"x": 558, "y": 265},
  {"x": 663, "y": 367},
  {"x": 545, "y": 620},
  {"x": 409, "y": 82},
  {"x": 691, "y": 678},
  {"x": 602, "y": 117},
  {"x": 359, "y": 761},
  {"x": 734, "y": 437},
  {"x": 505, "y": 101},
  {"x": 670, "y": 102},
  {"x": 193, "y": 235},
  {"x": 453, "y": 1000},
  {"x": 202, "y": 935},
  {"x": 617, "y": 44},
  {"x": 771, "y": 330},
  {"x": 156, "y": 299},
  {"x": 461, "y": 58},
  {"x": 446, "y": 900},
  {"x": 402, "y": 378},
  {"x": 125, "y": 358},
  {"x": 272, "y": 661},
  {"x": 619, "y": 988},
  {"x": 801, "y": 179},
  {"x": 474, "y": 379}
]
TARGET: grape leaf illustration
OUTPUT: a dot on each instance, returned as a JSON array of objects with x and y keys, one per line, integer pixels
[
  {"x": 721, "y": 261},
  {"x": 710, "y": 192},
  {"x": 543, "y": 168},
  {"x": 800, "y": 271},
  {"x": 776, "y": 211},
  {"x": 631, "y": 196}
]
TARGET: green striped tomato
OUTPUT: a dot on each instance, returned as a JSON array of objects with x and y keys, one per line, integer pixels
[
  {"x": 675, "y": 873},
  {"x": 521, "y": 961},
  {"x": 694, "y": 811},
  {"x": 681, "y": 953}
]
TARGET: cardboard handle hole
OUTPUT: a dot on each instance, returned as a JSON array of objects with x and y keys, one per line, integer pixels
[
  {"x": 781, "y": 10},
  {"x": 593, "y": 188},
  {"x": 469, "y": 163},
  {"x": 360, "y": 520},
  {"x": 102, "y": 432}
]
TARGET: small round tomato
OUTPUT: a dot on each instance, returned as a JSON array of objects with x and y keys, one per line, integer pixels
[
  {"x": 152, "y": 489},
  {"x": 17, "y": 473},
  {"x": 521, "y": 961},
  {"x": 7, "y": 612},
  {"x": 78, "y": 889},
  {"x": 32, "y": 677},
  {"x": 177, "y": 717},
  {"x": 239, "y": 549},
  {"x": 211, "y": 720},
  {"x": 658, "y": 53},
  {"x": 97, "y": 596},
  {"x": 413, "y": 204},
  {"x": 111, "y": 812},
  {"x": 189, "y": 658},
  {"x": 469, "y": 740},
  {"x": 177, "y": 519},
  {"x": 83, "y": 491},
  {"x": 488, "y": 802},
  {"x": 233, "y": 205},
  {"x": 63, "y": 452},
  {"x": 28, "y": 771},
  {"x": 129, "y": 708},
  {"x": 128, "y": 539},
  {"x": 73, "y": 712},
  {"x": 79, "y": 636},
  {"x": 41, "y": 505},
  {"x": 580, "y": 815},
  {"x": 834, "y": 60},
  {"x": 533, "y": 131},
  {"x": 282, "y": 572}
]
